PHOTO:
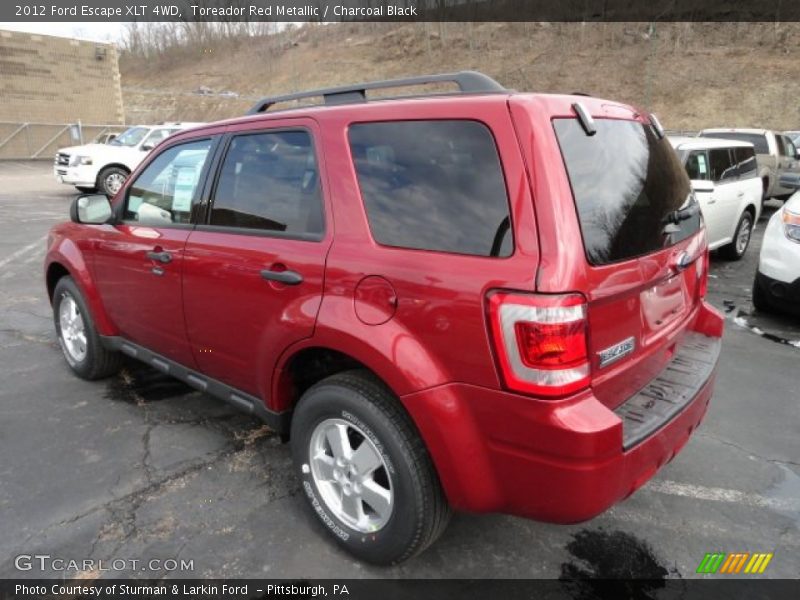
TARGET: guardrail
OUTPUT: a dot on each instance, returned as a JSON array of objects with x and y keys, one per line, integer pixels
[{"x": 30, "y": 140}]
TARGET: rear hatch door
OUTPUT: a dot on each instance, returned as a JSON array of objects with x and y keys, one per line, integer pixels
[{"x": 644, "y": 246}]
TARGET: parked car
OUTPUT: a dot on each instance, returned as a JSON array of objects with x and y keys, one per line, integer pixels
[
  {"x": 777, "y": 281},
  {"x": 436, "y": 315},
  {"x": 724, "y": 176},
  {"x": 104, "y": 167},
  {"x": 776, "y": 155}
]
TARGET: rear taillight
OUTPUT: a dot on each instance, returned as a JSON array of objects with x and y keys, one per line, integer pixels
[
  {"x": 540, "y": 342},
  {"x": 702, "y": 274}
]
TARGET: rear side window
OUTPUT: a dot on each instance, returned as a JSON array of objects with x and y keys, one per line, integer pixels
[
  {"x": 433, "y": 185},
  {"x": 270, "y": 182},
  {"x": 723, "y": 168},
  {"x": 628, "y": 185},
  {"x": 759, "y": 140},
  {"x": 745, "y": 159}
]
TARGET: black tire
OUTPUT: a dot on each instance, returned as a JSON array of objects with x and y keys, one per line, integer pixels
[
  {"x": 86, "y": 190},
  {"x": 732, "y": 251},
  {"x": 761, "y": 300},
  {"x": 98, "y": 362},
  {"x": 420, "y": 512},
  {"x": 106, "y": 178}
]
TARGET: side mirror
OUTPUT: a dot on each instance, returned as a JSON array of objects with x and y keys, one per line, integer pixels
[
  {"x": 702, "y": 186},
  {"x": 147, "y": 147},
  {"x": 94, "y": 209}
]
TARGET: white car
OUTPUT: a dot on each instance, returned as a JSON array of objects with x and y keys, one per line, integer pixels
[
  {"x": 104, "y": 167},
  {"x": 777, "y": 283},
  {"x": 725, "y": 180}
]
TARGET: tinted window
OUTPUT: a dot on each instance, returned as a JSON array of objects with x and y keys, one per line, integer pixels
[
  {"x": 626, "y": 183},
  {"x": 745, "y": 159},
  {"x": 164, "y": 191},
  {"x": 697, "y": 165},
  {"x": 722, "y": 166},
  {"x": 270, "y": 181},
  {"x": 759, "y": 140},
  {"x": 433, "y": 185}
]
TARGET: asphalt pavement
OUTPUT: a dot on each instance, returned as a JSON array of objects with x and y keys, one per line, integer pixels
[{"x": 141, "y": 467}]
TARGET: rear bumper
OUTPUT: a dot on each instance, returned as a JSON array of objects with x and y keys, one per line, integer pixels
[{"x": 564, "y": 461}]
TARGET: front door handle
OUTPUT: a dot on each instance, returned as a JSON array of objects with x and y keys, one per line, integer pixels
[
  {"x": 287, "y": 277},
  {"x": 163, "y": 257}
]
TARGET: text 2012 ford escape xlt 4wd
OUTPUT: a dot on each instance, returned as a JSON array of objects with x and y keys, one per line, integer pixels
[{"x": 481, "y": 300}]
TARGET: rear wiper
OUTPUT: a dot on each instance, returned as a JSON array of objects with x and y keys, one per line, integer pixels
[{"x": 682, "y": 214}]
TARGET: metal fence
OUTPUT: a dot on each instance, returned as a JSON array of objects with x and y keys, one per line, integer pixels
[{"x": 25, "y": 141}]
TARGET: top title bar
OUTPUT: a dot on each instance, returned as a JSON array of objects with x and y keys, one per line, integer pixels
[{"x": 398, "y": 10}]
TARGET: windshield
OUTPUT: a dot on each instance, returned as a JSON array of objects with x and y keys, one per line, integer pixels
[
  {"x": 130, "y": 137},
  {"x": 631, "y": 191}
]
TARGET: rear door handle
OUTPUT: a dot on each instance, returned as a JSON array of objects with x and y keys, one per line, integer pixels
[
  {"x": 287, "y": 277},
  {"x": 163, "y": 257}
]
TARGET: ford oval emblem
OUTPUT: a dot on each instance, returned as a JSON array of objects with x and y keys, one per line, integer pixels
[{"x": 684, "y": 260}]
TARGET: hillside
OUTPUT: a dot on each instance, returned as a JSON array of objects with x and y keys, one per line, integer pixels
[{"x": 692, "y": 75}]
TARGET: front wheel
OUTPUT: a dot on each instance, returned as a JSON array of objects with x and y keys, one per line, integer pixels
[
  {"x": 110, "y": 180},
  {"x": 741, "y": 238},
  {"x": 77, "y": 335},
  {"x": 365, "y": 470}
]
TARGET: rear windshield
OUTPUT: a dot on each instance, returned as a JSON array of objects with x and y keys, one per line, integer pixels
[
  {"x": 631, "y": 191},
  {"x": 759, "y": 140}
]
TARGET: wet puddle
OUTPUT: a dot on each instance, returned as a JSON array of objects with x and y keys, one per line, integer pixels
[
  {"x": 140, "y": 384},
  {"x": 604, "y": 563}
]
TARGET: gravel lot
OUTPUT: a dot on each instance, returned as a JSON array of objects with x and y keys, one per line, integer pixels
[{"x": 140, "y": 467}]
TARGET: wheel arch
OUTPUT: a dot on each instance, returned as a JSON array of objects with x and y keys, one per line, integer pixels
[{"x": 69, "y": 262}]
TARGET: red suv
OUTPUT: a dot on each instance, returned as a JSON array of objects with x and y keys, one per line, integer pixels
[{"x": 478, "y": 300}]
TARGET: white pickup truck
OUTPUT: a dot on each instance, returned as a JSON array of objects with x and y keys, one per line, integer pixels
[
  {"x": 104, "y": 167},
  {"x": 776, "y": 155}
]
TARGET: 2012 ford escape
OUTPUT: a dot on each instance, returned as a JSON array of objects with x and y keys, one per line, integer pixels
[{"x": 478, "y": 300}]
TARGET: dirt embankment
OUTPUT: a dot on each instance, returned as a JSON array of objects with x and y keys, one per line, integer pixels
[{"x": 693, "y": 75}]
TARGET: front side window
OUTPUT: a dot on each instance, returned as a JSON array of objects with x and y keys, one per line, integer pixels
[
  {"x": 270, "y": 182},
  {"x": 433, "y": 185},
  {"x": 157, "y": 135},
  {"x": 130, "y": 137},
  {"x": 697, "y": 165},
  {"x": 722, "y": 167},
  {"x": 789, "y": 148},
  {"x": 631, "y": 191},
  {"x": 163, "y": 193}
]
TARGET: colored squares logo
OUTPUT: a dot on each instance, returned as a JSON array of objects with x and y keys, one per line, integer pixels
[{"x": 734, "y": 563}]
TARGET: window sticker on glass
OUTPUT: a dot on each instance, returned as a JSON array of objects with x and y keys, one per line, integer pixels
[
  {"x": 701, "y": 164},
  {"x": 185, "y": 182}
]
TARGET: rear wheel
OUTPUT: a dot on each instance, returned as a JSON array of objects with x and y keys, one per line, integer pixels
[
  {"x": 741, "y": 238},
  {"x": 77, "y": 335},
  {"x": 110, "y": 180},
  {"x": 365, "y": 470}
]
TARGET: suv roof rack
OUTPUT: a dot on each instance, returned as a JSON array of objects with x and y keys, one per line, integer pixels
[{"x": 469, "y": 82}]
